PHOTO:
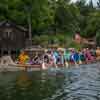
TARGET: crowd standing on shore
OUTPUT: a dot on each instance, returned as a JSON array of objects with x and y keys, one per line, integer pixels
[{"x": 62, "y": 56}]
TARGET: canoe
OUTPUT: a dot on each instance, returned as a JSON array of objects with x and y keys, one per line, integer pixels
[{"x": 27, "y": 65}]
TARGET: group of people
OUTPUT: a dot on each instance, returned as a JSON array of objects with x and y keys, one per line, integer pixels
[
  {"x": 62, "y": 56},
  {"x": 72, "y": 56}
]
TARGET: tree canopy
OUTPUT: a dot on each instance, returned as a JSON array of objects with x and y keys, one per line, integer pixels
[{"x": 53, "y": 16}]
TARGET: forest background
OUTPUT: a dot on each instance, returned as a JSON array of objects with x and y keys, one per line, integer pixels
[{"x": 54, "y": 21}]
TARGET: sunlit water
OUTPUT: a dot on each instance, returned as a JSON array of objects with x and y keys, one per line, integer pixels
[{"x": 80, "y": 83}]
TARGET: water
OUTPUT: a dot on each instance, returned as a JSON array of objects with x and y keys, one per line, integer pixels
[{"x": 81, "y": 83}]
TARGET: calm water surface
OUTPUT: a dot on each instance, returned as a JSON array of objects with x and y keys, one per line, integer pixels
[{"x": 81, "y": 83}]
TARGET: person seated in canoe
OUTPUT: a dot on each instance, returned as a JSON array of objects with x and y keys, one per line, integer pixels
[
  {"x": 31, "y": 61},
  {"x": 81, "y": 57},
  {"x": 36, "y": 60},
  {"x": 52, "y": 59},
  {"x": 93, "y": 52},
  {"x": 61, "y": 57},
  {"x": 56, "y": 57},
  {"x": 88, "y": 55},
  {"x": 23, "y": 58},
  {"x": 46, "y": 58},
  {"x": 67, "y": 55},
  {"x": 76, "y": 57},
  {"x": 98, "y": 53},
  {"x": 72, "y": 57},
  {"x": 59, "y": 60}
]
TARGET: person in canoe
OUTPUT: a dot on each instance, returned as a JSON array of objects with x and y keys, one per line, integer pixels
[{"x": 23, "y": 58}]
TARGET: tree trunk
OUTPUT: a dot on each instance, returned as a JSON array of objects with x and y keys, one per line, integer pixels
[{"x": 30, "y": 29}]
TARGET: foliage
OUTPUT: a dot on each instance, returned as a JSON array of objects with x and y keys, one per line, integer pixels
[
  {"x": 75, "y": 45},
  {"x": 45, "y": 40},
  {"x": 52, "y": 18},
  {"x": 98, "y": 38}
]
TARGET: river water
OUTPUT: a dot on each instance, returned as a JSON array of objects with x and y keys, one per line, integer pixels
[{"x": 76, "y": 83}]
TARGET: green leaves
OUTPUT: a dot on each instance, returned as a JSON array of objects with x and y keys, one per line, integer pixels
[{"x": 53, "y": 16}]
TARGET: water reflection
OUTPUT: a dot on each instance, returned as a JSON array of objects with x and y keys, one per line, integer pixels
[
  {"x": 66, "y": 84},
  {"x": 28, "y": 86},
  {"x": 23, "y": 81}
]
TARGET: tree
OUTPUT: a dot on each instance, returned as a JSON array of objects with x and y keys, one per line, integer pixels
[{"x": 98, "y": 3}]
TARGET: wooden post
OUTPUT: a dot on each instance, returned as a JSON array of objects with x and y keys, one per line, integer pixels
[
  {"x": 1, "y": 52},
  {"x": 9, "y": 52}
]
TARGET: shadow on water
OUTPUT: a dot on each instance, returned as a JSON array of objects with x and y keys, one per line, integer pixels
[
  {"x": 28, "y": 85},
  {"x": 81, "y": 83}
]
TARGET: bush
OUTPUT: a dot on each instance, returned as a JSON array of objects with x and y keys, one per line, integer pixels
[{"x": 98, "y": 38}]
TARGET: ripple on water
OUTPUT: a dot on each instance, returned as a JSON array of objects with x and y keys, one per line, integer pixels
[
  {"x": 80, "y": 97},
  {"x": 85, "y": 84},
  {"x": 81, "y": 83}
]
